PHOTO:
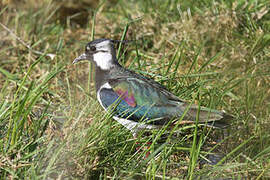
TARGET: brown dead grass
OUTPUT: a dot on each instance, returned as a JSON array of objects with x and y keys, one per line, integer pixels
[{"x": 215, "y": 31}]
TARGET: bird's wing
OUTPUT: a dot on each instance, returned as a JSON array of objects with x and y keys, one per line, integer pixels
[
  {"x": 140, "y": 92},
  {"x": 137, "y": 99}
]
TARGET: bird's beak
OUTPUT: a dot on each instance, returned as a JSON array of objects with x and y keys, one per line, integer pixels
[{"x": 80, "y": 58}]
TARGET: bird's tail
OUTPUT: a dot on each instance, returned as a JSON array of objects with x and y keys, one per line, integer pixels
[{"x": 213, "y": 118}]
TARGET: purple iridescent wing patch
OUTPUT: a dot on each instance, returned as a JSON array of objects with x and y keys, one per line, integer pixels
[{"x": 125, "y": 93}]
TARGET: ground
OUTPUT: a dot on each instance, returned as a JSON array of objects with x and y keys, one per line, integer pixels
[{"x": 212, "y": 53}]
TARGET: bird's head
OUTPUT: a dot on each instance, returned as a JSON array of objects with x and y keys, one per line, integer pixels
[{"x": 101, "y": 52}]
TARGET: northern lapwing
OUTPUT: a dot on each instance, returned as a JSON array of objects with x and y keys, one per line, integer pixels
[{"x": 139, "y": 102}]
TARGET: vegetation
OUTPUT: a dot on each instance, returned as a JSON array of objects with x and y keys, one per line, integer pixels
[{"x": 215, "y": 53}]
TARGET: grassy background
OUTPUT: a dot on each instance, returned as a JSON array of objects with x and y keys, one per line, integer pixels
[{"x": 215, "y": 53}]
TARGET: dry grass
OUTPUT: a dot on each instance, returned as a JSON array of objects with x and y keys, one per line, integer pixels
[{"x": 222, "y": 50}]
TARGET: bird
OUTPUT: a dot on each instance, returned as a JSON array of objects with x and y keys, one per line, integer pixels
[{"x": 136, "y": 101}]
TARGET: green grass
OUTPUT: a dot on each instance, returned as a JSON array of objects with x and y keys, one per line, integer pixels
[{"x": 214, "y": 53}]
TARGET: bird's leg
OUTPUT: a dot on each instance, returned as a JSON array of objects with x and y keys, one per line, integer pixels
[{"x": 141, "y": 146}]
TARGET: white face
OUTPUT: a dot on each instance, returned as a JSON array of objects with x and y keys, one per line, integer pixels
[{"x": 103, "y": 56}]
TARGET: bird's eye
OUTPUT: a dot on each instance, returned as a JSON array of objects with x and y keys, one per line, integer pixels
[
  {"x": 90, "y": 48},
  {"x": 93, "y": 48}
]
